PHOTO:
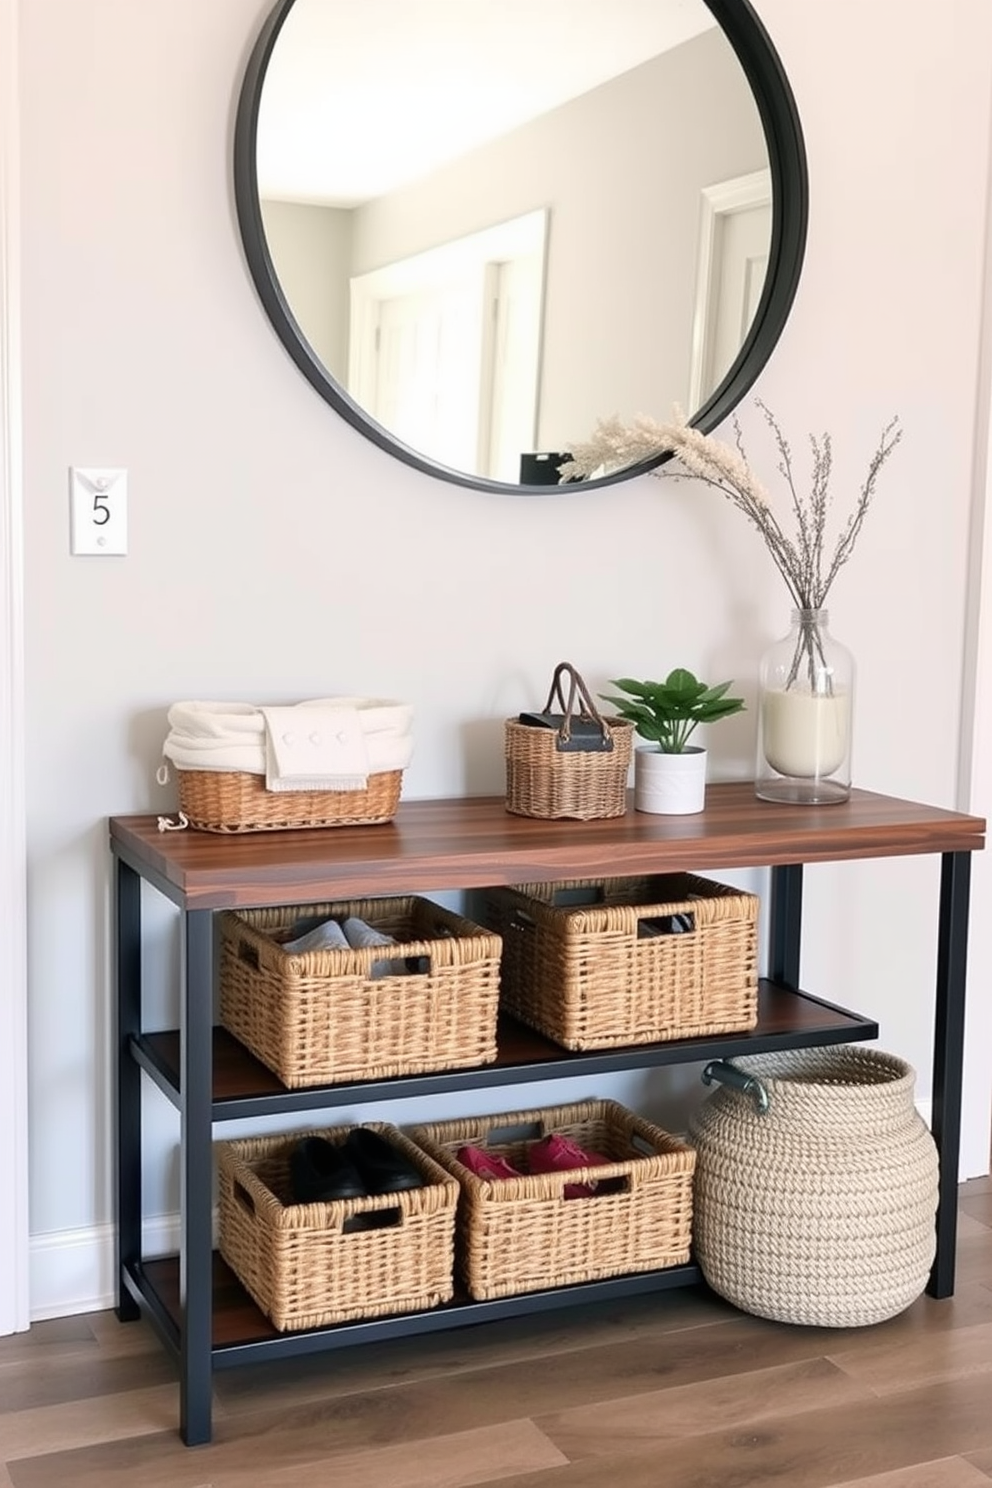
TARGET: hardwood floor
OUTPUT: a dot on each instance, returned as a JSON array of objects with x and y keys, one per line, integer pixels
[{"x": 678, "y": 1390}]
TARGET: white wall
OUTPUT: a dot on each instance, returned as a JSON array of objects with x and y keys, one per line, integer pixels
[
  {"x": 14, "y": 1300},
  {"x": 275, "y": 554},
  {"x": 891, "y": 317}
]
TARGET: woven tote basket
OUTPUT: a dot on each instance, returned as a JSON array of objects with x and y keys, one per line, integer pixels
[
  {"x": 524, "y": 1235},
  {"x": 322, "y": 1016},
  {"x": 820, "y": 1209},
  {"x": 599, "y": 964},
  {"x": 236, "y": 801},
  {"x": 572, "y": 763},
  {"x": 308, "y": 1265}
]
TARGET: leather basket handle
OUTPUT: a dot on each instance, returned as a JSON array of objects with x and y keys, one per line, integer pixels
[{"x": 577, "y": 689}]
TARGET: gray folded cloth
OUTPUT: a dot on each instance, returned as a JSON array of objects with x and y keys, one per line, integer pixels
[
  {"x": 359, "y": 933},
  {"x": 327, "y": 936},
  {"x": 355, "y": 934}
]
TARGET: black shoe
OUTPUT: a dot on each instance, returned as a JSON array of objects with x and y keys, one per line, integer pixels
[
  {"x": 383, "y": 1167},
  {"x": 319, "y": 1173}
]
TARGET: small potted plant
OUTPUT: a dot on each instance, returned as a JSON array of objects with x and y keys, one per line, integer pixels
[{"x": 669, "y": 772}]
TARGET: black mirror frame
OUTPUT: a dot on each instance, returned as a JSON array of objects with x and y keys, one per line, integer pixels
[{"x": 790, "y": 210}]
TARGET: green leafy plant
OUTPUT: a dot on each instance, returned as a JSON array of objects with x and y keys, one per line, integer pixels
[{"x": 667, "y": 713}]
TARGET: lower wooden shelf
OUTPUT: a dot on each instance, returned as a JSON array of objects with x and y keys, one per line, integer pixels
[
  {"x": 242, "y": 1086},
  {"x": 241, "y": 1332}
]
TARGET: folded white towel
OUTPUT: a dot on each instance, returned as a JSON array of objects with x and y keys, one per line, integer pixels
[
  {"x": 216, "y": 736},
  {"x": 232, "y": 736},
  {"x": 315, "y": 749}
]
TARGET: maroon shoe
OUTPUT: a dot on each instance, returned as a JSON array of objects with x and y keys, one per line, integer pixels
[
  {"x": 556, "y": 1154},
  {"x": 486, "y": 1164}
]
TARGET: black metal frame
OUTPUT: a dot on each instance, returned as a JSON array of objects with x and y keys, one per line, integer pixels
[
  {"x": 192, "y": 1341},
  {"x": 790, "y": 210}
]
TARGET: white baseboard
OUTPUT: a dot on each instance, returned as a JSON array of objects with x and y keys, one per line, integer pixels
[{"x": 72, "y": 1271}]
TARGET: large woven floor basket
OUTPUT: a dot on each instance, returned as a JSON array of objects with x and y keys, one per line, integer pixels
[
  {"x": 308, "y": 1265},
  {"x": 821, "y": 1209},
  {"x": 323, "y": 1016},
  {"x": 524, "y": 1234},
  {"x": 237, "y": 801}
]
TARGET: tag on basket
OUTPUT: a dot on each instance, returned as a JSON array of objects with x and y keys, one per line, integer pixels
[{"x": 580, "y": 729}]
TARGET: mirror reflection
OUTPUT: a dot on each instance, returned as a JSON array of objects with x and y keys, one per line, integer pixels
[{"x": 496, "y": 221}]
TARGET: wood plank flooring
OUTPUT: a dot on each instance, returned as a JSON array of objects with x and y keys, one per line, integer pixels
[{"x": 678, "y": 1390}]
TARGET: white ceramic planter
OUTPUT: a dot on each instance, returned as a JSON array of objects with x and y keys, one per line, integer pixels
[{"x": 669, "y": 784}]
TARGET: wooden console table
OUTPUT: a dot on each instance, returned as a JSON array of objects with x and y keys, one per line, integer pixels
[{"x": 198, "y": 1306}]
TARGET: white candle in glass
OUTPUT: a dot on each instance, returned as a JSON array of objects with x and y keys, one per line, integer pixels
[{"x": 805, "y": 734}]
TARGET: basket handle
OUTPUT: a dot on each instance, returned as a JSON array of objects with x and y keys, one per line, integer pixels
[
  {"x": 372, "y": 1219},
  {"x": 248, "y": 953},
  {"x": 243, "y": 1197},
  {"x": 725, "y": 1073},
  {"x": 577, "y": 689}
]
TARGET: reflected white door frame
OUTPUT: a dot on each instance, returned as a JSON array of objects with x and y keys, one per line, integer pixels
[
  {"x": 14, "y": 1302},
  {"x": 727, "y": 292},
  {"x": 445, "y": 346}
]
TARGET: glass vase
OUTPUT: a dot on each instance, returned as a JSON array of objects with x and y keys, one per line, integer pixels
[{"x": 805, "y": 715}]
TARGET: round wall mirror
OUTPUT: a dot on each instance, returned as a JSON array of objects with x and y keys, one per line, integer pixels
[{"x": 479, "y": 226}]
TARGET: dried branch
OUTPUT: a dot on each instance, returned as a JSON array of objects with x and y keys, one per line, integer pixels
[{"x": 801, "y": 560}]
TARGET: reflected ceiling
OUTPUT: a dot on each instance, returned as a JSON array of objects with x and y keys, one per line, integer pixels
[{"x": 327, "y": 73}]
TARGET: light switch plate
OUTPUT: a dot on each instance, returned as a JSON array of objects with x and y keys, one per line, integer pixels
[{"x": 98, "y": 511}]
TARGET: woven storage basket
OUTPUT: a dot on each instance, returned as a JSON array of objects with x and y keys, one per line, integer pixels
[
  {"x": 595, "y": 964},
  {"x": 236, "y": 801},
  {"x": 321, "y": 1017},
  {"x": 523, "y": 1234},
  {"x": 821, "y": 1209},
  {"x": 307, "y": 1265},
  {"x": 573, "y": 763}
]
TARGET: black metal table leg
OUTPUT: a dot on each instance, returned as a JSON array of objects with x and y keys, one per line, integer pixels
[
  {"x": 196, "y": 1175},
  {"x": 785, "y": 924},
  {"x": 127, "y": 933},
  {"x": 948, "y": 1058}
]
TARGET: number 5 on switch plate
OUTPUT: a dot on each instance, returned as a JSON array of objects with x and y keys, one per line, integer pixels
[{"x": 98, "y": 511}]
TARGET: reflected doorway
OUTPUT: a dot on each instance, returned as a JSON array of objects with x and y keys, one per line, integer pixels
[
  {"x": 735, "y": 232},
  {"x": 445, "y": 347}
]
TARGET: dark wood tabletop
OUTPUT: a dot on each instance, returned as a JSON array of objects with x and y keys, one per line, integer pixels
[{"x": 474, "y": 841}]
